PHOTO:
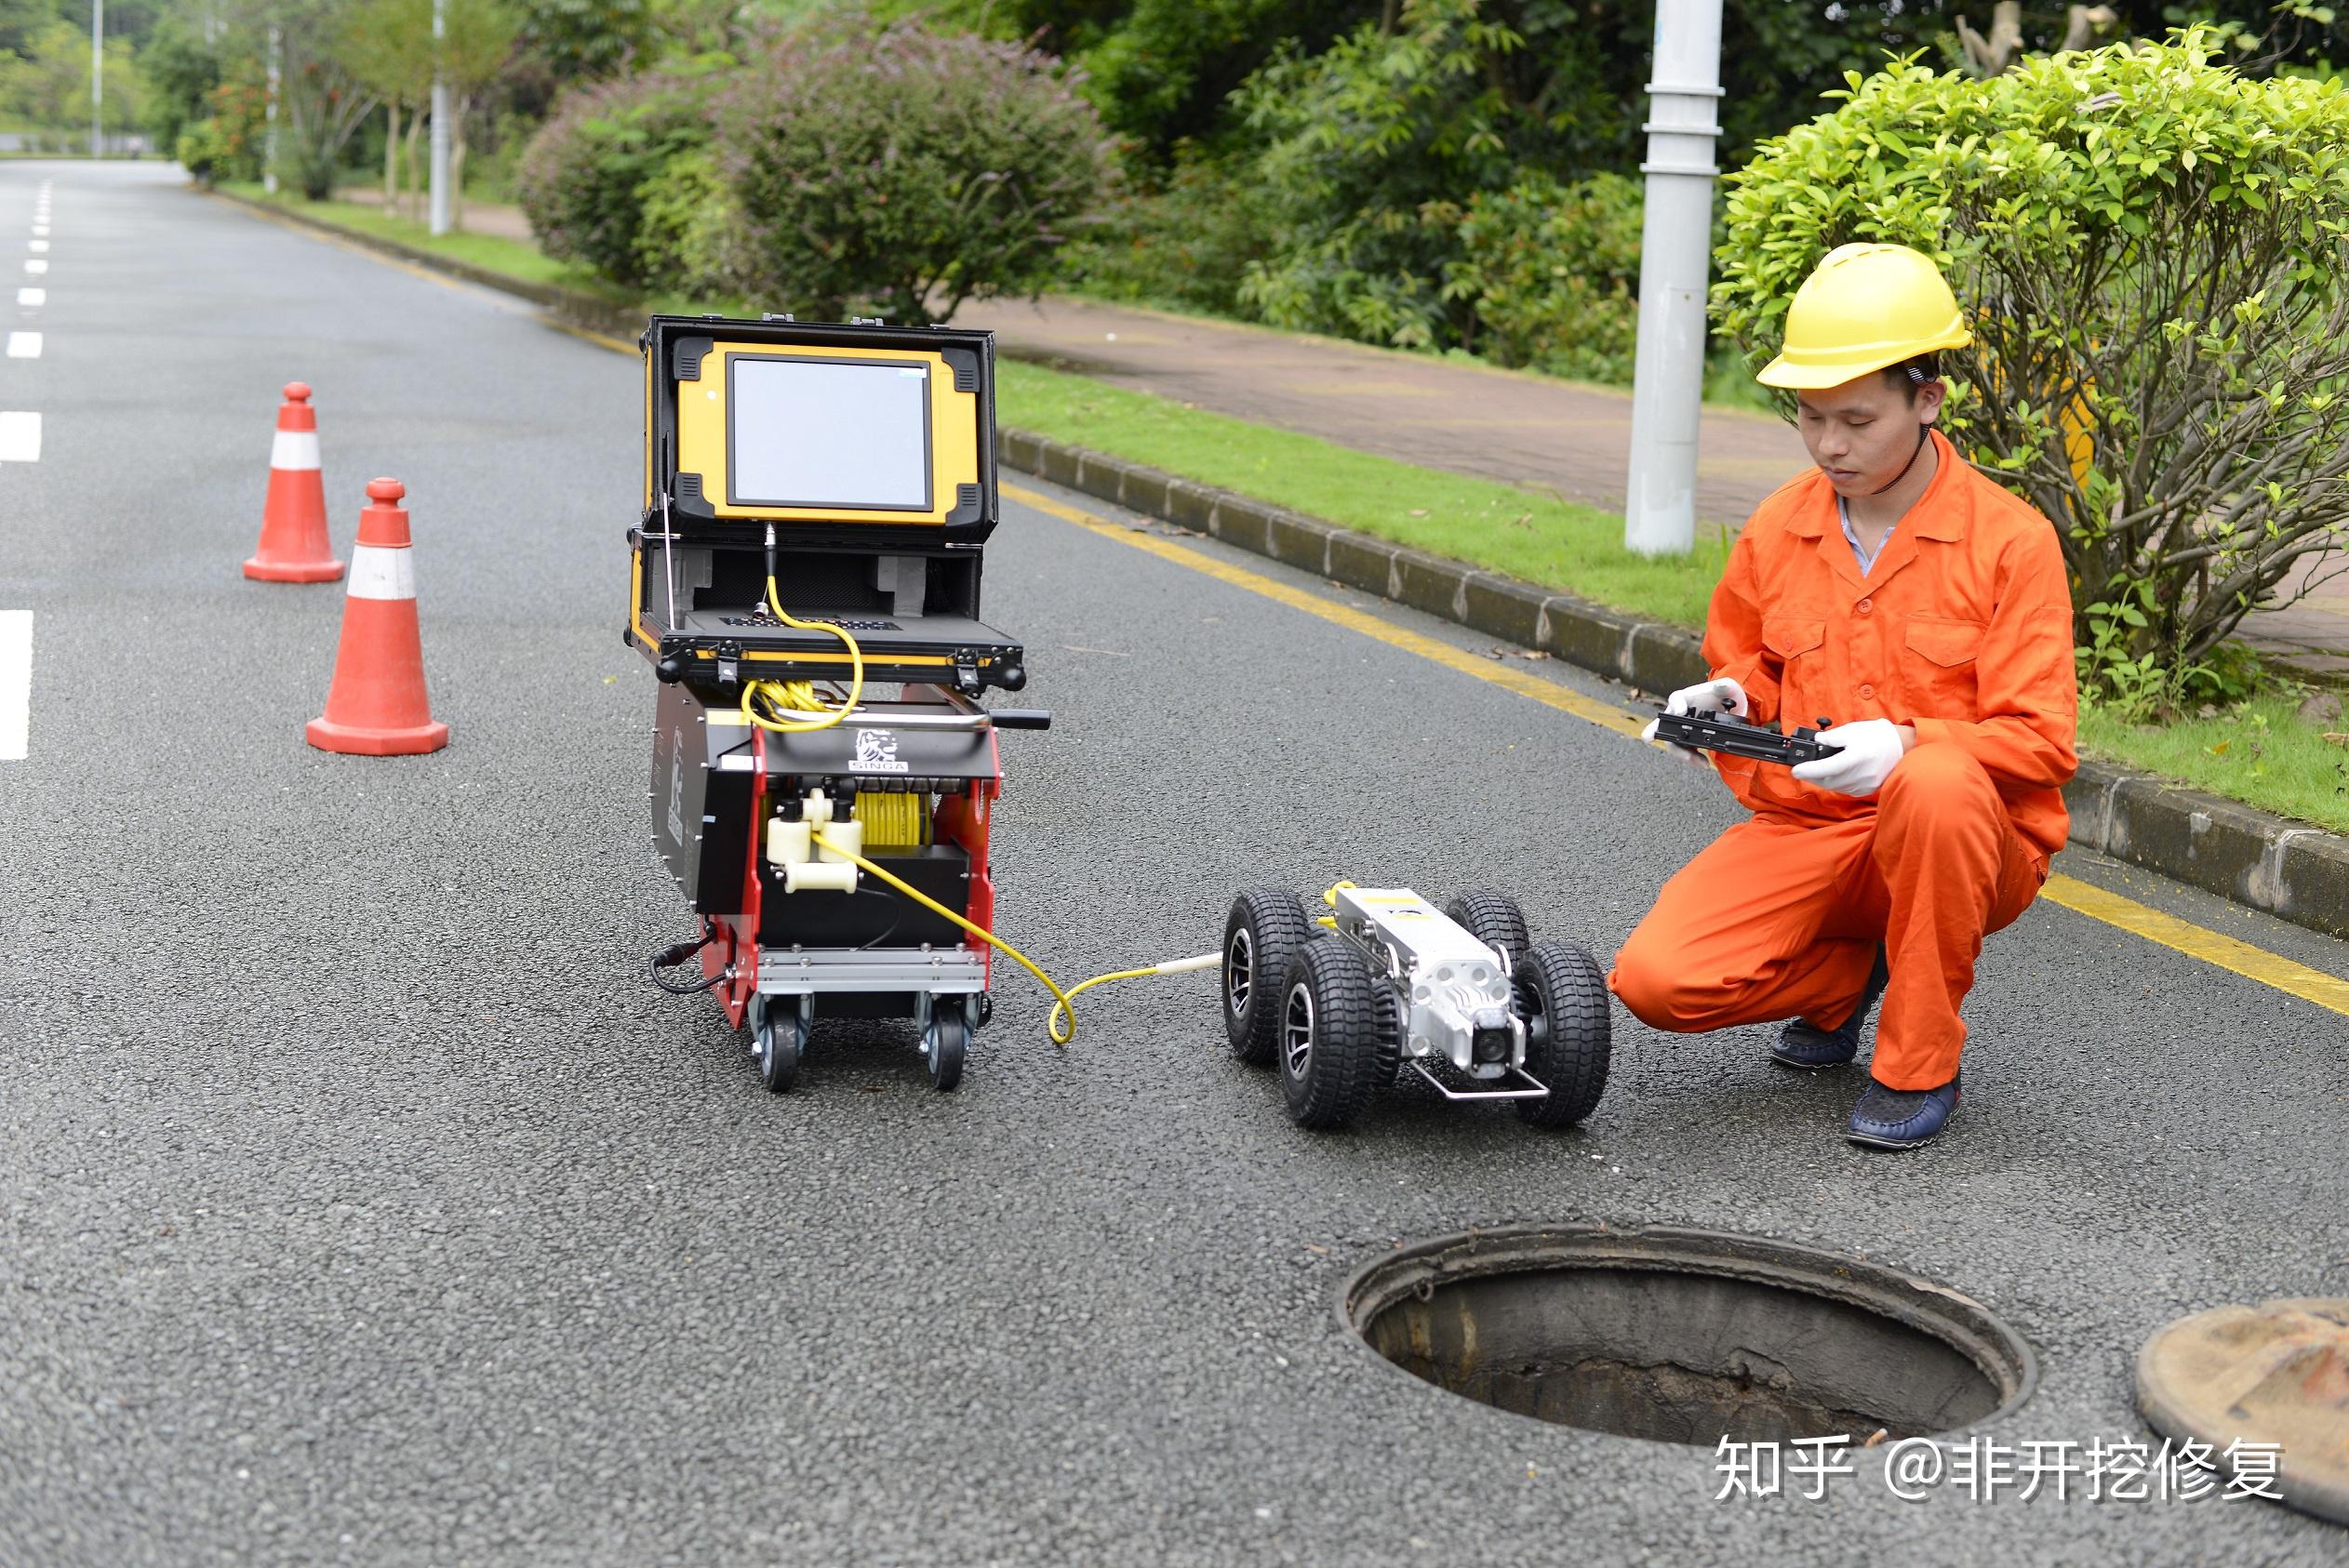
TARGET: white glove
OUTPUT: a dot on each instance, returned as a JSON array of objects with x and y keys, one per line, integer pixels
[
  {"x": 1723, "y": 696},
  {"x": 1871, "y": 748}
]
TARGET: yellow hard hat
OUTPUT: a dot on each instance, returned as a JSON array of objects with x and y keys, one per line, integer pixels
[{"x": 1866, "y": 307}]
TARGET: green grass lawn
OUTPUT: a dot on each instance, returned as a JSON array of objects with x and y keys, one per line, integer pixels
[
  {"x": 2259, "y": 752},
  {"x": 1528, "y": 534},
  {"x": 516, "y": 259}
]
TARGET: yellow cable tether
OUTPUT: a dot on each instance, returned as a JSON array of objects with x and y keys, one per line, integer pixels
[
  {"x": 800, "y": 694},
  {"x": 1062, "y": 1023}
]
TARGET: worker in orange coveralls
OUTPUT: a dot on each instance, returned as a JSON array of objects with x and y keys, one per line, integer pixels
[{"x": 1901, "y": 594}]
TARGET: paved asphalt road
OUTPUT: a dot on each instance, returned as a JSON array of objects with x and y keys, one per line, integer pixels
[{"x": 359, "y": 1201}]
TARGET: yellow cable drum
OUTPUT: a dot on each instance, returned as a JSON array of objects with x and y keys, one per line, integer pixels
[{"x": 893, "y": 821}]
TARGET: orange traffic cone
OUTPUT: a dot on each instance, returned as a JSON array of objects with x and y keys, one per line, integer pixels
[
  {"x": 294, "y": 547},
  {"x": 376, "y": 706}
]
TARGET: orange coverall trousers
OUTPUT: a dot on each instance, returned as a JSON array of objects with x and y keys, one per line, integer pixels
[{"x": 1780, "y": 919}]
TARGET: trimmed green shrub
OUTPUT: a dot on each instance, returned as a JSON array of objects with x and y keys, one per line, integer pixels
[
  {"x": 1182, "y": 242},
  {"x": 585, "y": 178},
  {"x": 689, "y": 227},
  {"x": 201, "y": 150},
  {"x": 903, "y": 173},
  {"x": 2151, "y": 249},
  {"x": 1371, "y": 148},
  {"x": 1552, "y": 273}
]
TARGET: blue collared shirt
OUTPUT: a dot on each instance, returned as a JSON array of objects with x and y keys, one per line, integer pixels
[{"x": 1865, "y": 558}]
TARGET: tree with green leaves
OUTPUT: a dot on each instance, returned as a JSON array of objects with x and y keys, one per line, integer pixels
[
  {"x": 387, "y": 45},
  {"x": 478, "y": 38},
  {"x": 2154, "y": 252}
]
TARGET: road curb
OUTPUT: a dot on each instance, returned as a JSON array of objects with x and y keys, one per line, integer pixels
[
  {"x": 2286, "y": 869},
  {"x": 569, "y": 305}
]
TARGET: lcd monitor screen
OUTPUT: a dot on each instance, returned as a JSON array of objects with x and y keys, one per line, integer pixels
[{"x": 828, "y": 432}]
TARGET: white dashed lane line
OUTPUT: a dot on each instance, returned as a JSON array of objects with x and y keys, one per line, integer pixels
[
  {"x": 16, "y": 683},
  {"x": 20, "y": 443},
  {"x": 19, "y": 438}
]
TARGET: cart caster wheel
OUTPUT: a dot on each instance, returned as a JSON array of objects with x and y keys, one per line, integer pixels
[
  {"x": 1564, "y": 1000},
  {"x": 779, "y": 1039},
  {"x": 1330, "y": 1048},
  {"x": 945, "y": 1044}
]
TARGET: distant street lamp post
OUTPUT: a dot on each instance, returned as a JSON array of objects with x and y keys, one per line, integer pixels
[
  {"x": 440, "y": 123},
  {"x": 1660, "y": 513},
  {"x": 97, "y": 55}
]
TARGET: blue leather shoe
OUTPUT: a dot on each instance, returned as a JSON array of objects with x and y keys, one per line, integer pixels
[
  {"x": 1901, "y": 1118},
  {"x": 1810, "y": 1047}
]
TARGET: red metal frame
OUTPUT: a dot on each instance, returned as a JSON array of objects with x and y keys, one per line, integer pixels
[{"x": 963, "y": 820}]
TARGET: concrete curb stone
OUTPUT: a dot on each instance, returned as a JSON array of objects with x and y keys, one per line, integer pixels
[{"x": 2286, "y": 869}]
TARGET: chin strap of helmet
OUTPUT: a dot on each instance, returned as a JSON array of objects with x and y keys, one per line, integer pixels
[{"x": 1924, "y": 434}]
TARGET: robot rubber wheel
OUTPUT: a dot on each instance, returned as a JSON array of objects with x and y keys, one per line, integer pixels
[
  {"x": 945, "y": 1042},
  {"x": 1492, "y": 917},
  {"x": 779, "y": 1037},
  {"x": 1330, "y": 1045},
  {"x": 1266, "y": 927},
  {"x": 1563, "y": 999}
]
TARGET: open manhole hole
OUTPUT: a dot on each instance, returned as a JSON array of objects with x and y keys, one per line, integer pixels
[{"x": 1688, "y": 1335}]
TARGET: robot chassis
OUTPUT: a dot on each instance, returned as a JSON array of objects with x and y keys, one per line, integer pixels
[{"x": 1388, "y": 983}]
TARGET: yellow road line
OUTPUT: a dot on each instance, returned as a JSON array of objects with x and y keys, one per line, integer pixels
[
  {"x": 1523, "y": 682},
  {"x": 2227, "y": 952},
  {"x": 2140, "y": 920},
  {"x": 2168, "y": 930}
]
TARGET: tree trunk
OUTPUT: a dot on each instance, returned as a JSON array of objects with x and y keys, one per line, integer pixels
[
  {"x": 415, "y": 186},
  {"x": 1991, "y": 56},
  {"x": 391, "y": 156},
  {"x": 456, "y": 169}
]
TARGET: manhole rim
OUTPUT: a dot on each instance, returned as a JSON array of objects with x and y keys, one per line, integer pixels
[{"x": 1916, "y": 1301}]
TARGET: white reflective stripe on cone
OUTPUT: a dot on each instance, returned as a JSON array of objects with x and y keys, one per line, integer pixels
[
  {"x": 380, "y": 572},
  {"x": 294, "y": 449}
]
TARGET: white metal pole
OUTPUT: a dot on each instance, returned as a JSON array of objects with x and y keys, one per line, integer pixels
[
  {"x": 1660, "y": 502},
  {"x": 440, "y": 123},
  {"x": 97, "y": 56},
  {"x": 268, "y": 142}
]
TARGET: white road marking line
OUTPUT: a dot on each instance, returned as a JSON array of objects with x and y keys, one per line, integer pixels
[
  {"x": 33, "y": 296},
  {"x": 19, "y": 438},
  {"x": 41, "y": 231},
  {"x": 24, "y": 345},
  {"x": 37, "y": 267},
  {"x": 16, "y": 683},
  {"x": 36, "y": 244}
]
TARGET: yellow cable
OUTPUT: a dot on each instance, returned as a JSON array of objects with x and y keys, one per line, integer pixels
[
  {"x": 894, "y": 821},
  {"x": 800, "y": 694},
  {"x": 1064, "y": 1003}
]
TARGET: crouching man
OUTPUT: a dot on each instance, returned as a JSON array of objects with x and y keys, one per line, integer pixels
[{"x": 1927, "y": 611}]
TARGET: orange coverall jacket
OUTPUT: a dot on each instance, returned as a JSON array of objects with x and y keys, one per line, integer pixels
[{"x": 1963, "y": 628}]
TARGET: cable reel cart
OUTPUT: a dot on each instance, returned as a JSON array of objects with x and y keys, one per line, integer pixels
[{"x": 817, "y": 504}]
